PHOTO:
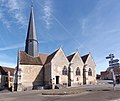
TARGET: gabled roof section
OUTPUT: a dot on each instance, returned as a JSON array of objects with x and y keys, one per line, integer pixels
[
  {"x": 26, "y": 59},
  {"x": 50, "y": 57},
  {"x": 4, "y": 70},
  {"x": 43, "y": 58},
  {"x": 84, "y": 58},
  {"x": 70, "y": 57}
]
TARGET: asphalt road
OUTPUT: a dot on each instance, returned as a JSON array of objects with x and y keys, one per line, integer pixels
[
  {"x": 89, "y": 93},
  {"x": 86, "y": 96}
]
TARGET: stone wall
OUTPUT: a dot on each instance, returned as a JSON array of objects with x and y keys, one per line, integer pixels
[
  {"x": 90, "y": 64},
  {"x": 57, "y": 65},
  {"x": 30, "y": 76},
  {"x": 47, "y": 74},
  {"x": 76, "y": 63}
]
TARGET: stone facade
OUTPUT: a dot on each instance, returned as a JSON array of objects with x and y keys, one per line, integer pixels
[
  {"x": 90, "y": 70},
  {"x": 30, "y": 77},
  {"x": 47, "y": 74},
  {"x": 57, "y": 65},
  {"x": 76, "y": 70}
]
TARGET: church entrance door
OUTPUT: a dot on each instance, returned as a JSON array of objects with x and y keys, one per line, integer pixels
[{"x": 57, "y": 79}]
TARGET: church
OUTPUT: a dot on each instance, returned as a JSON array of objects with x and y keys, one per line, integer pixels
[{"x": 36, "y": 70}]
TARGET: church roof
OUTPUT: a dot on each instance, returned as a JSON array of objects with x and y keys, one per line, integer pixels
[
  {"x": 31, "y": 28},
  {"x": 31, "y": 46},
  {"x": 43, "y": 58},
  {"x": 84, "y": 58},
  {"x": 24, "y": 58},
  {"x": 50, "y": 57},
  {"x": 70, "y": 57},
  {"x": 4, "y": 70}
]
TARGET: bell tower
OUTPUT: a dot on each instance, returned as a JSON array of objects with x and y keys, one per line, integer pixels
[{"x": 31, "y": 46}]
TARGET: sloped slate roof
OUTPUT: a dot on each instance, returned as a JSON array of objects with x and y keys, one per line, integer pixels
[
  {"x": 84, "y": 58},
  {"x": 24, "y": 58},
  {"x": 50, "y": 57},
  {"x": 31, "y": 28},
  {"x": 70, "y": 57},
  {"x": 43, "y": 58},
  {"x": 4, "y": 70}
]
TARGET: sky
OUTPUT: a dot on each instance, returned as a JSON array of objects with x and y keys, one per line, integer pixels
[{"x": 74, "y": 25}]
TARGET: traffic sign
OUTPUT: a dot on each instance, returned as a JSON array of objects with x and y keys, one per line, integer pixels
[
  {"x": 113, "y": 61},
  {"x": 114, "y": 65},
  {"x": 108, "y": 57},
  {"x": 111, "y": 56}
]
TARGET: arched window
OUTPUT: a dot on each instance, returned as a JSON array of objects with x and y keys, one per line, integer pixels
[
  {"x": 77, "y": 79},
  {"x": 78, "y": 71},
  {"x": 89, "y": 72},
  {"x": 64, "y": 71}
]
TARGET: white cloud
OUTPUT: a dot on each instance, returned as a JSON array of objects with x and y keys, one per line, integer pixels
[
  {"x": 47, "y": 8},
  {"x": 83, "y": 25},
  {"x": 15, "y": 8},
  {"x": 4, "y": 20},
  {"x": 16, "y": 46},
  {"x": 11, "y": 11}
]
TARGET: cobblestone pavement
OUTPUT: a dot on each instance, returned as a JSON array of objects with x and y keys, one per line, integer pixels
[{"x": 83, "y": 93}]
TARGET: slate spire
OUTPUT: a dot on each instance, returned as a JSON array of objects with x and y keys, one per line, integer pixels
[{"x": 31, "y": 47}]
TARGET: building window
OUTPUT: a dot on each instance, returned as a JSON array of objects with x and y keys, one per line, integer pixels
[
  {"x": 77, "y": 79},
  {"x": 78, "y": 71},
  {"x": 11, "y": 79},
  {"x": 89, "y": 72},
  {"x": 64, "y": 71}
]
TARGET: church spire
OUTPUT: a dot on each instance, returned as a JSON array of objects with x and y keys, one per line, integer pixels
[{"x": 31, "y": 47}]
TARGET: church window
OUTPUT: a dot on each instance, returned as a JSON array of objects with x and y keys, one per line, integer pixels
[
  {"x": 77, "y": 79},
  {"x": 78, "y": 71},
  {"x": 89, "y": 72},
  {"x": 64, "y": 71}
]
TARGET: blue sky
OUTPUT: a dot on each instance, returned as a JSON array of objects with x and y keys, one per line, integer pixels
[{"x": 84, "y": 25}]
